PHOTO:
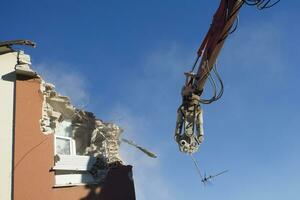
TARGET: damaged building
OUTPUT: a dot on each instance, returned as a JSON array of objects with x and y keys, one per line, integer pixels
[{"x": 51, "y": 149}]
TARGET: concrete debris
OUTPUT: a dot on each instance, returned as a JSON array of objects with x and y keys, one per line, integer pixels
[
  {"x": 92, "y": 136},
  {"x": 50, "y": 117},
  {"x": 23, "y": 65},
  {"x": 83, "y": 124},
  {"x": 107, "y": 134},
  {"x": 77, "y": 132}
]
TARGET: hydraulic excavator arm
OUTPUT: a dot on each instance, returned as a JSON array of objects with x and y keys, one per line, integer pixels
[{"x": 189, "y": 125}]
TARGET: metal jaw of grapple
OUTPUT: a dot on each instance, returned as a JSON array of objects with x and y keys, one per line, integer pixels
[{"x": 189, "y": 128}]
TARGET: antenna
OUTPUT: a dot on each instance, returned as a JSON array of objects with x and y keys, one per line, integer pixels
[{"x": 206, "y": 179}]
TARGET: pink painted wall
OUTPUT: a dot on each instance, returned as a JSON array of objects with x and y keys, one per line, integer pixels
[{"x": 34, "y": 158}]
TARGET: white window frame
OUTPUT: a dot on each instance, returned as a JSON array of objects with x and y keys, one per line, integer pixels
[
  {"x": 73, "y": 170},
  {"x": 72, "y": 144}
]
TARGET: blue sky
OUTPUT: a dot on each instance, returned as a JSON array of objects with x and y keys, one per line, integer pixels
[{"x": 124, "y": 61}]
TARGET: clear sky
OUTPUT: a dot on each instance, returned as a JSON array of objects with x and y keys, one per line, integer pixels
[{"x": 124, "y": 61}]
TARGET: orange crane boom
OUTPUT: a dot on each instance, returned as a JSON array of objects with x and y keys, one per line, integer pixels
[{"x": 189, "y": 132}]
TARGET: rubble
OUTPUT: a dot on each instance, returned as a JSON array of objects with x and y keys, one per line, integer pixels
[
  {"x": 105, "y": 138},
  {"x": 23, "y": 65},
  {"x": 92, "y": 136}
]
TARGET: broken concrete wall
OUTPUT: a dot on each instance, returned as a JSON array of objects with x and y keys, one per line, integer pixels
[
  {"x": 105, "y": 140},
  {"x": 32, "y": 117},
  {"x": 33, "y": 158},
  {"x": 92, "y": 136}
]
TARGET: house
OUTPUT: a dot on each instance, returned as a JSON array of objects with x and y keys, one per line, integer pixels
[{"x": 51, "y": 149}]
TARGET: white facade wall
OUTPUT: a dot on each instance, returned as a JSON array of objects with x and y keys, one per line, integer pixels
[{"x": 7, "y": 84}]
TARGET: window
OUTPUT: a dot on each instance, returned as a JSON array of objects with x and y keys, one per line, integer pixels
[
  {"x": 64, "y": 145},
  {"x": 64, "y": 142},
  {"x": 70, "y": 168}
]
